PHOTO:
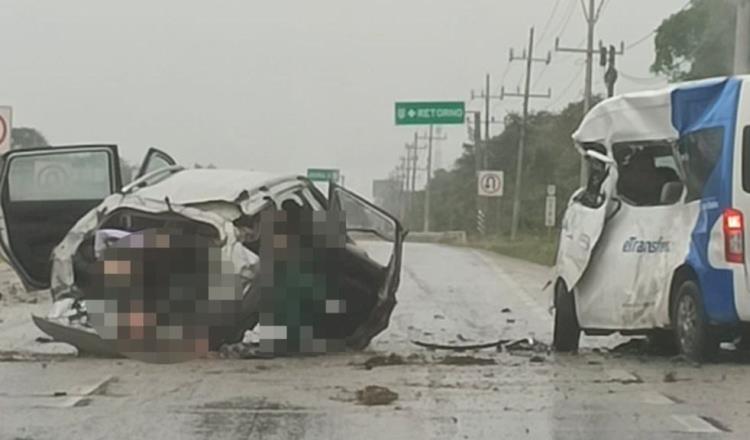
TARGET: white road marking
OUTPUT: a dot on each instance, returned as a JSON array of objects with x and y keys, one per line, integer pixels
[
  {"x": 79, "y": 393},
  {"x": 656, "y": 398},
  {"x": 694, "y": 423}
]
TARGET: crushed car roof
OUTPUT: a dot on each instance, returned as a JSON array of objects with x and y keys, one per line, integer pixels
[
  {"x": 641, "y": 116},
  {"x": 192, "y": 186}
]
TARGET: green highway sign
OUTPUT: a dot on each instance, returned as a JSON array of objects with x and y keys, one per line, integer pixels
[
  {"x": 430, "y": 113},
  {"x": 323, "y": 175}
]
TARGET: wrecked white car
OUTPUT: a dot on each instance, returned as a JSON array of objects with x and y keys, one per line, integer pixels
[
  {"x": 63, "y": 206},
  {"x": 656, "y": 242}
]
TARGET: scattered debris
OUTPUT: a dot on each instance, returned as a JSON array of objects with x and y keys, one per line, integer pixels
[
  {"x": 86, "y": 401},
  {"x": 44, "y": 340},
  {"x": 528, "y": 344},
  {"x": 510, "y": 321},
  {"x": 22, "y": 356},
  {"x": 384, "y": 361},
  {"x": 461, "y": 337},
  {"x": 506, "y": 310},
  {"x": 670, "y": 377},
  {"x": 439, "y": 317},
  {"x": 240, "y": 350},
  {"x": 594, "y": 363},
  {"x": 537, "y": 359},
  {"x": 466, "y": 361},
  {"x": 480, "y": 346},
  {"x": 59, "y": 394},
  {"x": 622, "y": 377},
  {"x": 372, "y": 395},
  {"x": 633, "y": 346}
]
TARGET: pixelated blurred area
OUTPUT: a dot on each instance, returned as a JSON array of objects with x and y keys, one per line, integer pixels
[
  {"x": 162, "y": 295},
  {"x": 303, "y": 308}
]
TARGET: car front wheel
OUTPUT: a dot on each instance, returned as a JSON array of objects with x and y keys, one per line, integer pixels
[
  {"x": 567, "y": 330},
  {"x": 694, "y": 336}
]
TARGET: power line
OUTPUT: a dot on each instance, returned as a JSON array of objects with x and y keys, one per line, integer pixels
[
  {"x": 562, "y": 95},
  {"x": 547, "y": 24},
  {"x": 654, "y": 31},
  {"x": 642, "y": 79},
  {"x": 566, "y": 22}
]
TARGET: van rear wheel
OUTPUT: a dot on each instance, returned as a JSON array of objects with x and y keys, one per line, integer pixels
[
  {"x": 693, "y": 333},
  {"x": 567, "y": 332}
]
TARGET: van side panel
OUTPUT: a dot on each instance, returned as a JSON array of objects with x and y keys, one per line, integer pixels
[{"x": 696, "y": 108}]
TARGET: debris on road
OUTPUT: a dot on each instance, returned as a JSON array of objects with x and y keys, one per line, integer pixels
[
  {"x": 384, "y": 361},
  {"x": 670, "y": 377},
  {"x": 44, "y": 340},
  {"x": 241, "y": 350},
  {"x": 373, "y": 395},
  {"x": 621, "y": 376},
  {"x": 432, "y": 346},
  {"x": 506, "y": 310},
  {"x": 438, "y": 316},
  {"x": 467, "y": 361},
  {"x": 536, "y": 359},
  {"x": 528, "y": 344}
]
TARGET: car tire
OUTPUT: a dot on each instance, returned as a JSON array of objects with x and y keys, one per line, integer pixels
[
  {"x": 567, "y": 332},
  {"x": 694, "y": 336}
]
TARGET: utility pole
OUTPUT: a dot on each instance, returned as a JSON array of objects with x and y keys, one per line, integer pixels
[
  {"x": 403, "y": 180},
  {"x": 529, "y": 58},
  {"x": 407, "y": 181},
  {"x": 415, "y": 158},
  {"x": 481, "y": 147},
  {"x": 412, "y": 158},
  {"x": 591, "y": 14},
  {"x": 430, "y": 139},
  {"x": 741, "y": 42}
]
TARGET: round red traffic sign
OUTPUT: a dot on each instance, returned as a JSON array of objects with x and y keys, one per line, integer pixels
[
  {"x": 491, "y": 183},
  {"x": 3, "y": 129}
]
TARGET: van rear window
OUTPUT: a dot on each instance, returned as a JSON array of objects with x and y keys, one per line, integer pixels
[{"x": 700, "y": 151}]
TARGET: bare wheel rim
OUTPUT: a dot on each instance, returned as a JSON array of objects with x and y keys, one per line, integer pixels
[{"x": 687, "y": 322}]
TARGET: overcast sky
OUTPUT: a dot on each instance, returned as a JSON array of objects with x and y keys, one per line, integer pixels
[{"x": 285, "y": 85}]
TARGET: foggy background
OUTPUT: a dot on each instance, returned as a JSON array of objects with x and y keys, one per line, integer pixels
[{"x": 286, "y": 85}]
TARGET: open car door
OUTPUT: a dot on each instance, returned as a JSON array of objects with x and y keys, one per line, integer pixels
[
  {"x": 43, "y": 193},
  {"x": 585, "y": 218},
  {"x": 383, "y": 270},
  {"x": 155, "y": 160}
]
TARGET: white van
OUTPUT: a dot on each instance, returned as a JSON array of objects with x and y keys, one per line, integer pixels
[{"x": 655, "y": 243}]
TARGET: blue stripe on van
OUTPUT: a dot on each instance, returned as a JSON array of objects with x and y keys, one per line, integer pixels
[{"x": 697, "y": 107}]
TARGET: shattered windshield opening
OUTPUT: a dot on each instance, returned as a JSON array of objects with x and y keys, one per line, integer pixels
[{"x": 645, "y": 169}]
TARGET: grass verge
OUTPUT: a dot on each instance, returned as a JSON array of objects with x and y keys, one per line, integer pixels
[{"x": 540, "y": 249}]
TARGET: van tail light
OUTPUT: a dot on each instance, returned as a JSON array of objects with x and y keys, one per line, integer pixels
[{"x": 734, "y": 236}]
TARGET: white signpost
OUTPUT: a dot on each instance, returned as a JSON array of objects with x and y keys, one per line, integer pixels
[
  {"x": 491, "y": 183},
  {"x": 550, "y": 207},
  {"x": 6, "y": 126}
]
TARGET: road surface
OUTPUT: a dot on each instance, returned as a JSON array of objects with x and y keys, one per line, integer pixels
[{"x": 448, "y": 295}]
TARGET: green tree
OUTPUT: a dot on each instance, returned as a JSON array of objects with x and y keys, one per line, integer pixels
[
  {"x": 697, "y": 42},
  {"x": 24, "y": 137},
  {"x": 550, "y": 159}
]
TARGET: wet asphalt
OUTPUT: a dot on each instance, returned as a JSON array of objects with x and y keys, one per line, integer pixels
[{"x": 448, "y": 296}]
